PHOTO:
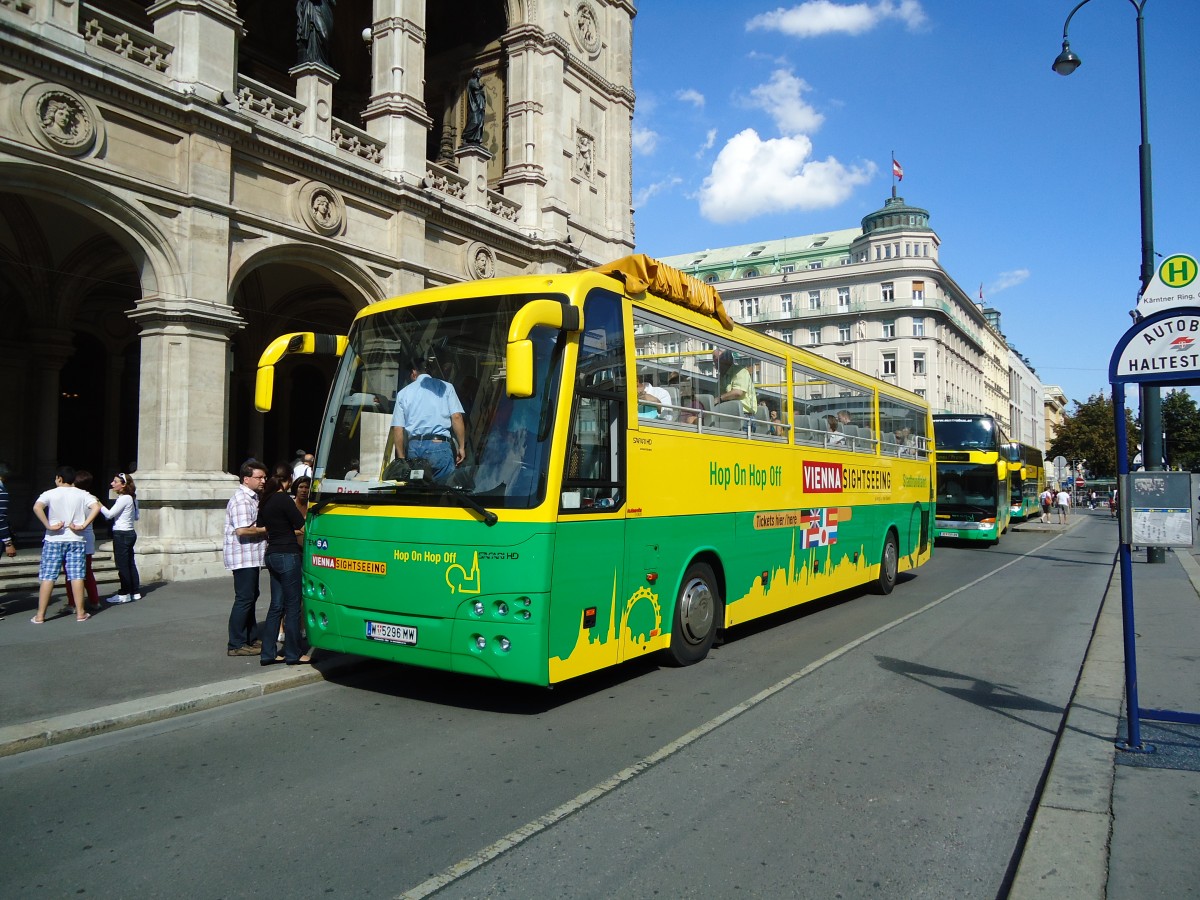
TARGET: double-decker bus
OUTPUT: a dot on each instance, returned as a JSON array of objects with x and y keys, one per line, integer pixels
[
  {"x": 1026, "y": 479},
  {"x": 593, "y": 521},
  {"x": 972, "y": 477}
]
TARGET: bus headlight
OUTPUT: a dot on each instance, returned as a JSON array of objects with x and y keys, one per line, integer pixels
[
  {"x": 501, "y": 608},
  {"x": 505, "y": 644},
  {"x": 480, "y": 642},
  {"x": 478, "y": 607}
]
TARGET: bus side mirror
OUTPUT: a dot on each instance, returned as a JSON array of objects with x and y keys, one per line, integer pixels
[
  {"x": 297, "y": 342},
  {"x": 519, "y": 356}
]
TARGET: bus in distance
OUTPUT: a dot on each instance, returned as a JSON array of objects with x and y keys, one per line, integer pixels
[
  {"x": 639, "y": 472},
  {"x": 1027, "y": 480},
  {"x": 972, "y": 477}
]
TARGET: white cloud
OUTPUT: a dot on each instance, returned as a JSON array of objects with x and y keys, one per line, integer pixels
[
  {"x": 709, "y": 139},
  {"x": 782, "y": 99},
  {"x": 642, "y": 197},
  {"x": 644, "y": 140},
  {"x": 753, "y": 177},
  {"x": 1005, "y": 280},
  {"x": 692, "y": 96},
  {"x": 814, "y": 18}
]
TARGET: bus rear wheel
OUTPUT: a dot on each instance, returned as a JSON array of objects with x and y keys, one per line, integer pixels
[
  {"x": 889, "y": 565},
  {"x": 695, "y": 618}
]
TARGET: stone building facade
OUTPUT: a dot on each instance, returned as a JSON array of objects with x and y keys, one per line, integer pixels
[
  {"x": 180, "y": 182},
  {"x": 876, "y": 299}
]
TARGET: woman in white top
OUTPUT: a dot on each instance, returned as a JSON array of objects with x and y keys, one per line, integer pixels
[{"x": 123, "y": 514}]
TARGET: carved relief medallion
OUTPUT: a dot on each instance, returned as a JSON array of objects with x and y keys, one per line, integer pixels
[
  {"x": 321, "y": 208},
  {"x": 585, "y": 26},
  {"x": 479, "y": 261},
  {"x": 60, "y": 119}
]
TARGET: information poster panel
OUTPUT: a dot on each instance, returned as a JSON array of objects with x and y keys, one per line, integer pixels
[{"x": 1157, "y": 509}]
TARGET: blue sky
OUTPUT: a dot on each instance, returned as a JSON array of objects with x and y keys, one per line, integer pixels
[{"x": 756, "y": 121}]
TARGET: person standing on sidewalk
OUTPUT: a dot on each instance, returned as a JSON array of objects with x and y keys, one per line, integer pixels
[
  {"x": 6, "y": 538},
  {"x": 83, "y": 481},
  {"x": 123, "y": 514},
  {"x": 243, "y": 555},
  {"x": 1047, "y": 500},
  {"x": 278, "y": 515},
  {"x": 65, "y": 512},
  {"x": 1062, "y": 502}
]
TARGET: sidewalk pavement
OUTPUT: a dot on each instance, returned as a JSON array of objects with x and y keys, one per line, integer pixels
[
  {"x": 161, "y": 656},
  {"x": 1109, "y": 824}
]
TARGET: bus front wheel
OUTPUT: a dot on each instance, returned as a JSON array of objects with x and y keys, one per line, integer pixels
[
  {"x": 889, "y": 565},
  {"x": 695, "y": 619}
]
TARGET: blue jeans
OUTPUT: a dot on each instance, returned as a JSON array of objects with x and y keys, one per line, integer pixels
[
  {"x": 440, "y": 453},
  {"x": 123, "y": 541},
  {"x": 284, "y": 569},
  {"x": 243, "y": 629}
]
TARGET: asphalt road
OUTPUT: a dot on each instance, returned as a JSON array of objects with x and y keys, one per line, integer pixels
[{"x": 864, "y": 747}]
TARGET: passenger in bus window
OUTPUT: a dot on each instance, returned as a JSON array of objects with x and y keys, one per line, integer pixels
[
  {"x": 835, "y": 436},
  {"x": 736, "y": 384},
  {"x": 651, "y": 400}
]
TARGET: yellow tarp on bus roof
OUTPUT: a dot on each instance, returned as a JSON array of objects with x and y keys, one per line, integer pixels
[{"x": 641, "y": 273}]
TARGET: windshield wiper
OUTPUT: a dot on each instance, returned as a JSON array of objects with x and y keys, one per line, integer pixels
[{"x": 446, "y": 490}]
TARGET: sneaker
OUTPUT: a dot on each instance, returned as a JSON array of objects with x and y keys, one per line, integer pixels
[
  {"x": 137, "y": 596},
  {"x": 120, "y": 598},
  {"x": 242, "y": 651}
]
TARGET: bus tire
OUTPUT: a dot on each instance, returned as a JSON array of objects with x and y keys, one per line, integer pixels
[
  {"x": 889, "y": 565},
  {"x": 695, "y": 619}
]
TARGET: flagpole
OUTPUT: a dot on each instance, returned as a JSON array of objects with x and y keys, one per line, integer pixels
[{"x": 893, "y": 174}]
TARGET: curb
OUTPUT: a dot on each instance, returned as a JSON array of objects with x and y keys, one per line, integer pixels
[{"x": 41, "y": 733}]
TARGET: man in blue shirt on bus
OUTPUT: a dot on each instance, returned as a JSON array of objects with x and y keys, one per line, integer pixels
[{"x": 428, "y": 414}]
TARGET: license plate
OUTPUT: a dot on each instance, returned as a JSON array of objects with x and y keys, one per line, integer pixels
[
  {"x": 392, "y": 634},
  {"x": 952, "y": 534}
]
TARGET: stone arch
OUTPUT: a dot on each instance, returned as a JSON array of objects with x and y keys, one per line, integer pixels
[
  {"x": 280, "y": 289},
  {"x": 129, "y": 225}
]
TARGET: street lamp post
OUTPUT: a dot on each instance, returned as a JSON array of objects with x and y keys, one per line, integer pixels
[{"x": 1151, "y": 399}]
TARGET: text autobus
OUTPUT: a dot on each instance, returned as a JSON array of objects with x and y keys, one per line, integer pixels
[
  {"x": 972, "y": 477},
  {"x": 583, "y": 529}
]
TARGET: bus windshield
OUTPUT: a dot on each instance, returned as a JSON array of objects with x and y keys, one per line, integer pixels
[
  {"x": 462, "y": 343},
  {"x": 967, "y": 433},
  {"x": 966, "y": 489}
]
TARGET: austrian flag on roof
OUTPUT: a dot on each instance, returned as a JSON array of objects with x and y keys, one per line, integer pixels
[{"x": 897, "y": 170}]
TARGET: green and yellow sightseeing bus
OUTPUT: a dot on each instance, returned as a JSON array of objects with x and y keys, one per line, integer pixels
[
  {"x": 593, "y": 521},
  {"x": 972, "y": 477},
  {"x": 1026, "y": 479}
]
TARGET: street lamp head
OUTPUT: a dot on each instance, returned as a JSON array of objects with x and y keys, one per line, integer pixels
[{"x": 1067, "y": 62}]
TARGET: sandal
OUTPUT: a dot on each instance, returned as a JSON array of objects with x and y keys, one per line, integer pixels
[
  {"x": 84, "y": 618},
  {"x": 36, "y": 621}
]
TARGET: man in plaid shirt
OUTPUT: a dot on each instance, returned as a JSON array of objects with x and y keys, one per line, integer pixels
[{"x": 245, "y": 545}]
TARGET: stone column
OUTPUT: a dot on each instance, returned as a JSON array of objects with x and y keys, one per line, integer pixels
[
  {"x": 472, "y": 165},
  {"x": 396, "y": 113},
  {"x": 59, "y": 21},
  {"x": 184, "y": 398},
  {"x": 314, "y": 88},
  {"x": 112, "y": 411},
  {"x": 205, "y": 35}
]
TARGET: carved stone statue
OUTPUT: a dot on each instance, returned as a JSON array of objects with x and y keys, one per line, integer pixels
[
  {"x": 476, "y": 106},
  {"x": 314, "y": 26}
]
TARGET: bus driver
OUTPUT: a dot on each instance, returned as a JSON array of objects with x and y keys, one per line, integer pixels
[{"x": 427, "y": 414}]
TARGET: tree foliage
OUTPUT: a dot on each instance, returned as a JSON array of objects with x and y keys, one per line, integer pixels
[
  {"x": 1181, "y": 425},
  {"x": 1088, "y": 433}
]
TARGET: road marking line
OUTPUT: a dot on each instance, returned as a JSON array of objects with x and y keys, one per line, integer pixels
[{"x": 518, "y": 836}]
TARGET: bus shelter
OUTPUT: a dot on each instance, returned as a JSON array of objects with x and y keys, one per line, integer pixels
[{"x": 1161, "y": 350}]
